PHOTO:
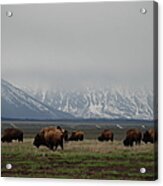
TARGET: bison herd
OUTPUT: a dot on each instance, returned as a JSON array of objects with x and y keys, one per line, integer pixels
[{"x": 52, "y": 137}]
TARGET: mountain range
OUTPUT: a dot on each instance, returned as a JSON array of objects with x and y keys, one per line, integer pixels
[{"x": 89, "y": 103}]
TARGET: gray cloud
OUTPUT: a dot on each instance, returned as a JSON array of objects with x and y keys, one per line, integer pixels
[{"x": 73, "y": 45}]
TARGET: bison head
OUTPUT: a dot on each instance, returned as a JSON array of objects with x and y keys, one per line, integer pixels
[
  {"x": 38, "y": 140},
  {"x": 3, "y": 139},
  {"x": 126, "y": 142},
  {"x": 7, "y": 139},
  {"x": 65, "y": 135},
  {"x": 147, "y": 137},
  {"x": 71, "y": 138},
  {"x": 58, "y": 127},
  {"x": 100, "y": 138}
]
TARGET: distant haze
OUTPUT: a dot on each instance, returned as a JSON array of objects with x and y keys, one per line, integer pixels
[{"x": 78, "y": 45}]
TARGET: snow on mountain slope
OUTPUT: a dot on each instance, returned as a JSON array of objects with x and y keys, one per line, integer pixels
[
  {"x": 18, "y": 104},
  {"x": 111, "y": 103}
]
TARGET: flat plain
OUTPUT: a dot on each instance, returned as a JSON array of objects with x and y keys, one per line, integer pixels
[{"x": 88, "y": 159}]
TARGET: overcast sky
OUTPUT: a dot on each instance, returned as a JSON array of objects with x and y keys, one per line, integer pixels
[{"x": 78, "y": 45}]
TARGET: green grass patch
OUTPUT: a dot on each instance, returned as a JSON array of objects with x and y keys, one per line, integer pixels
[{"x": 82, "y": 160}]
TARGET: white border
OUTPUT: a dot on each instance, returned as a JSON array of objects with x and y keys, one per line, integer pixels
[
  {"x": 61, "y": 182},
  {"x": 56, "y": 1}
]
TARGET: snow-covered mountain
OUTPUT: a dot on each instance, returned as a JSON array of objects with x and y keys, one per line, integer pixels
[
  {"x": 110, "y": 103},
  {"x": 16, "y": 103}
]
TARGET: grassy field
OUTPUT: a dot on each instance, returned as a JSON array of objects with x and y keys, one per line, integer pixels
[{"x": 89, "y": 159}]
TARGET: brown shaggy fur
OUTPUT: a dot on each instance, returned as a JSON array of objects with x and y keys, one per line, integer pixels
[
  {"x": 133, "y": 135},
  {"x": 77, "y": 135},
  {"x": 106, "y": 135},
  {"x": 12, "y": 134},
  {"x": 150, "y": 135},
  {"x": 54, "y": 138}
]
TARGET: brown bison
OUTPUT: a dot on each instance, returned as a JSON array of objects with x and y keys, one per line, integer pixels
[
  {"x": 12, "y": 134},
  {"x": 50, "y": 137},
  {"x": 133, "y": 135},
  {"x": 63, "y": 131},
  {"x": 106, "y": 135},
  {"x": 150, "y": 136},
  {"x": 76, "y": 136}
]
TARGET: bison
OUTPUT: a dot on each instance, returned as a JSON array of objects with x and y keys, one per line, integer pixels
[
  {"x": 76, "y": 136},
  {"x": 12, "y": 134},
  {"x": 50, "y": 137},
  {"x": 133, "y": 135},
  {"x": 150, "y": 136},
  {"x": 106, "y": 135}
]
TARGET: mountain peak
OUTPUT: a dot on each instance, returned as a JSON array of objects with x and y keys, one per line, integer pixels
[{"x": 17, "y": 104}]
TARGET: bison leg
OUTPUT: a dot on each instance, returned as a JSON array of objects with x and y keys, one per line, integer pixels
[
  {"x": 61, "y": 144},
  {"x": 131, "y": 142},
  {"x": 137, "y": 142},
  {"x": 20, "y": 140},
  {"x": 50, "y": 146},
  {"x": 81, "y": 138},
  {"x": 112, "y": 139},
  {"x": 56, "y": 147},
  {"x": 9, "y": 140}
]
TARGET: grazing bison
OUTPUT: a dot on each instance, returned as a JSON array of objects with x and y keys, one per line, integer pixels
[
  {"x": 133, "y": 135},
  {"x": 76, "y": 136},
  {"x": 12, "y": 134},
  {"x": 150, "y": 136},
  {"x": 106, "y": 135},
  {"x": 50, "y": 137}
]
